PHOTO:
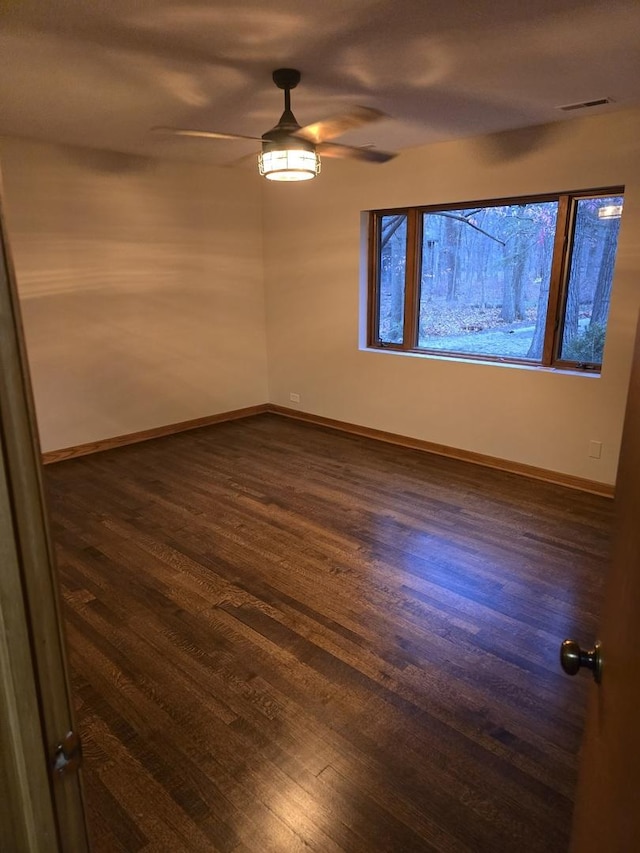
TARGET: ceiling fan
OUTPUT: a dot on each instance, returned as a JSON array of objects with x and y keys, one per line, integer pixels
[{"x": 291, "y": 152}]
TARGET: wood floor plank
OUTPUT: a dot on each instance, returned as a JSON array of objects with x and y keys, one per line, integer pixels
[{"x": 284, "y": 638}]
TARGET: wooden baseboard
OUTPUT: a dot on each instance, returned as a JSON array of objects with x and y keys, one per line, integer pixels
[
  {"x": 145, "y": 435},
  {"x": 592, "y": 486},
  {"x": 560, "y": 479}
]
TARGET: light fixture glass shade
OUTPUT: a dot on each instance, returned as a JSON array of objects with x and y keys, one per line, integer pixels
[{"x": 289, "y": 164}]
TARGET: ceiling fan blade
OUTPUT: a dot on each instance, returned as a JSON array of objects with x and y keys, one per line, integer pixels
[
  {"x": 370, "y": 155},
  {"x": 333, "y": 126},
  {"x": 241, "y": 161},
  {"x": 204, "y": 134}
]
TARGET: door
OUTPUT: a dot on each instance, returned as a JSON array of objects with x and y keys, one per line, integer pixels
[
  {"x": 607, "y": 813},
  {"x": 40, "y": 809}
]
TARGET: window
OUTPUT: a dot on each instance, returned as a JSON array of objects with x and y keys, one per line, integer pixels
[{"x": 516, "y": 280}]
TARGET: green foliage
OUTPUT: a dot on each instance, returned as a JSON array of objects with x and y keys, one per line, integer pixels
[{"x": 587, "y": 347}]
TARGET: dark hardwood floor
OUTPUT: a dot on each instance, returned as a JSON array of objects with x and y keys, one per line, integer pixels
[{"x": 284, "y": 638}]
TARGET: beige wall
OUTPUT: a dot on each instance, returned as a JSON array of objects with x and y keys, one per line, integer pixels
[
  {"x": 312, "y": 242},
  {"x": 141, "y": 289}
]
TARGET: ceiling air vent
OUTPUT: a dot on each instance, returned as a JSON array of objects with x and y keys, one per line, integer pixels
[{"x": 583, "y": 105}]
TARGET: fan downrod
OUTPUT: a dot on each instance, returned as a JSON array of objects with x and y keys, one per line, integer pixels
[{"x": 286, "y": 78}]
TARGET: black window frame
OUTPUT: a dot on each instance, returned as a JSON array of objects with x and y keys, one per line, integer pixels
[{"x": 558, "y": 284}]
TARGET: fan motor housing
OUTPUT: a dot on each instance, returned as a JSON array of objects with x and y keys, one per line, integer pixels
[{"x": 280, "y": 138}]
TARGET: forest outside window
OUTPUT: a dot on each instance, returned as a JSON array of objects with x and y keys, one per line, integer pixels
[{"x": 516, "y": 280}]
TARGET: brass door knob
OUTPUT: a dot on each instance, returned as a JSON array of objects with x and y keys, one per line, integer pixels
[{"x": 573, "y": 658}]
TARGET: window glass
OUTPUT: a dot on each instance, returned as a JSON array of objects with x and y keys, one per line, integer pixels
[
  {"x": 392, "y": 264},
  {"x": 516, "y": 280},
  {"x": 595, "y": 240},
  {"x": 484, "y": 279}
]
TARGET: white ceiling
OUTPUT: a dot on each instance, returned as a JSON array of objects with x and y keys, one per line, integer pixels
[{"x": 101, "y": 73}]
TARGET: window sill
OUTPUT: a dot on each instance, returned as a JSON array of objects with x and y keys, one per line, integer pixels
[{"x": 538, "y": 368}]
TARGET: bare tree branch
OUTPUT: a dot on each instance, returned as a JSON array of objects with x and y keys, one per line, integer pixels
[
  {"x": 390, "y": 229},
  {"x": 470, "y": 224},
  {"x": 395, "y": 222}
]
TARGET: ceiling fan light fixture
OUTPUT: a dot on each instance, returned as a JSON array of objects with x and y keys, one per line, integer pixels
[
  {"x": 610, "y": 211},
  {"x": 284, "y": 156},
  {"x": 290, "y": 152},
  {"x": 289, "y": 164}
]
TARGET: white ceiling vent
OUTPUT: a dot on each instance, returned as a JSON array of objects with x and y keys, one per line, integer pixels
[{"x": 583, "y": 105}]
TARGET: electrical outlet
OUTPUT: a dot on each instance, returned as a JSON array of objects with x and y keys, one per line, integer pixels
[
  {"x": 595, "y": 449},
  {"x": 295, "y": 398}
]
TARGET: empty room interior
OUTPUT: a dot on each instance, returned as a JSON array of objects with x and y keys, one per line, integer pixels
[{"x": 330, "y": 436}]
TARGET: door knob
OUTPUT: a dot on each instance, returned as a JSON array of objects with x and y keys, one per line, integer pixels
[{"x": 572, "y": 658}]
